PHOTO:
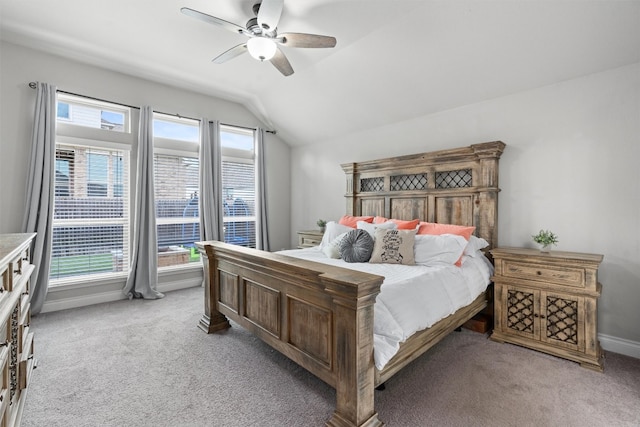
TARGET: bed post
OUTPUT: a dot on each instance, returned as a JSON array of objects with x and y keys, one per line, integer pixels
[
  {"x": 488, "y": 154},
  {"x": 349, "y": 169},
  {"x": 212, "y": 320},
  {"x": 353, "y": 352}
]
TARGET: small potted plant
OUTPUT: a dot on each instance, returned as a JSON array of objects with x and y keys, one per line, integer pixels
[
  {"x": 322, "y": 224},
  {"x": 545, "y": 239}
]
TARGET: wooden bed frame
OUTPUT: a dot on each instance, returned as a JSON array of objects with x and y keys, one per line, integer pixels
[{"x": 321, "y": 316}]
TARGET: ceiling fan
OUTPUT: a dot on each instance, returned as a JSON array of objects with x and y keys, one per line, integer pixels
[{"x": 263, "y": 36}]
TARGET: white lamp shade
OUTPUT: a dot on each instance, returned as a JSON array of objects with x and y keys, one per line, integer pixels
[{"x": 261, "y": 48}]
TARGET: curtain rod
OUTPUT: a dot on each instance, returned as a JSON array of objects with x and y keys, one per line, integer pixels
[{"x": 34, "y": 85}]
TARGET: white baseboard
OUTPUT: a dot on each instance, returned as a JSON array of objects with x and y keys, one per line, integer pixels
[
  {"x": 620, "y": 345},
  {"x": 110, "y": 296}
]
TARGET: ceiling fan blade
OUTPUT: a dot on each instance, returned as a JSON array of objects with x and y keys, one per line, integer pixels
[
  {"x": 282, "y": 63},
  {"x": 306, "y": 40},
  {"x": 213, "y": 20},
  {"x": 230, "y": 54},
  {"x": 269, "y": 14}
]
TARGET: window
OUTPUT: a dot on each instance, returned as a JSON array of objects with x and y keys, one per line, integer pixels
[
  {"x": 90, "y": 217},
  {"x": 91, "y": 196},
  {"x": 238, "y": 185},
  {"x": 168, "y": 127},
  {"x": 79, "y": 111},
  {"x": 177, "y": 179}
]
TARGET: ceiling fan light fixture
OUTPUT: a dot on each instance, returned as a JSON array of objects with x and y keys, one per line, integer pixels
[{"x": 261, "y": 48}]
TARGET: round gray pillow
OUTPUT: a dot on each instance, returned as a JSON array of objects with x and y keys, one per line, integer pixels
[{"x": 356, "y": 246}]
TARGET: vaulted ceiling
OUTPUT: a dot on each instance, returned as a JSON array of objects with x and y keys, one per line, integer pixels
[{"x": 394, "y": 60}]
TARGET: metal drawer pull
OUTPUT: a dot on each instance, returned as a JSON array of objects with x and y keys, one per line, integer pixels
[{"x": 539, "y": 273}]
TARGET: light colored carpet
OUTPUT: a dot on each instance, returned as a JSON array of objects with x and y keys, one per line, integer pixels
[{"x": 145, "y": 363}]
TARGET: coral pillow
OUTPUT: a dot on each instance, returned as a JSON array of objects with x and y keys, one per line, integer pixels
[
  {"x": 352, "y": 221},
  {"x": 406, "y": 225},
  {"x": 437, "y": 229},
  {"x": 379, "y": 220},
  {"x": 402, "y": 224}
]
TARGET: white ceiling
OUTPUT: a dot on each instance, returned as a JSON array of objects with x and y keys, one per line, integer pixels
[{"x": 394, "y": 60}]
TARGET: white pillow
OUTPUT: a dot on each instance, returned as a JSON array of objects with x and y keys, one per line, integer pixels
[
  {"x": 332, "y": 250},
  {"x": 371, "y": 228},
  {"x": 332, "y": 230},
  {"x": 432, "y": 250},
  {"x": 474, "y": 245}
]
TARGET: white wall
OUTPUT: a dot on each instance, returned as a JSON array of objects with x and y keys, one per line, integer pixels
[
  {"x": 570, "y": 165},
  {"x": 19, "y": 66}
]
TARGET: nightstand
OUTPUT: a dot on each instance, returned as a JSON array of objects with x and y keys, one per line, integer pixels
[
  {"x": 548, "y": 302},
  {"x": 309, "y": 238}
]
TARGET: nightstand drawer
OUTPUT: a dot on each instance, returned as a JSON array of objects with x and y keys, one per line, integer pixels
[
  {"x": 559, "y": 275},
  {"x": 308, "y": 239}
]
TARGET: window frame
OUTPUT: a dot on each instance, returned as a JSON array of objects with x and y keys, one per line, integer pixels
[{"x": 74, "y": 135}]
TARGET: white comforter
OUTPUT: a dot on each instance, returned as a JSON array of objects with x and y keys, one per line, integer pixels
[{"x": 413, "y": 297}]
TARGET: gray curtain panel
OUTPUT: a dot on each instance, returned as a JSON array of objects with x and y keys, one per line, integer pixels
[
  {"x": 40, "y": 185},
  {"x": 261, "y": 214},
  {"x": 211, "y": 212},
  {"x": 142, "y": 280}
]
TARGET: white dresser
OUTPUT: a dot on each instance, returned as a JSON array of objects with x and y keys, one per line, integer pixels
[{"x": 16, "y": 340}]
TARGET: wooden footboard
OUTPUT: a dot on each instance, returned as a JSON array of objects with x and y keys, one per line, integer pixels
[{"x": 319, "y": 316}]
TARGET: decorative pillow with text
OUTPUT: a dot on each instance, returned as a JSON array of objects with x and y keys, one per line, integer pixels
[{"x": 393, "y": 247}]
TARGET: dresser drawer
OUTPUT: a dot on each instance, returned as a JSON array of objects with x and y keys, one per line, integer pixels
[
  {"x": 6, "y": 279},
  {"x": 4, "y": 371},
  {"x": 17, "y": 267},
  {"x": 4, "y": 403},
  {"x": 26, "y": 361},
  {"x": 567, "y": 276}
]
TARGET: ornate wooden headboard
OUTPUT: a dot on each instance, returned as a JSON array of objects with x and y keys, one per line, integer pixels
[{"x": 456, "y": 186}]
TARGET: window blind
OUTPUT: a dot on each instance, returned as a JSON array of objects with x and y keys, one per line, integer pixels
[
  {"x": 177, "y": 212},
  {"x": 239, "y": 193},
  {"x": 91, "y": 211}
]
